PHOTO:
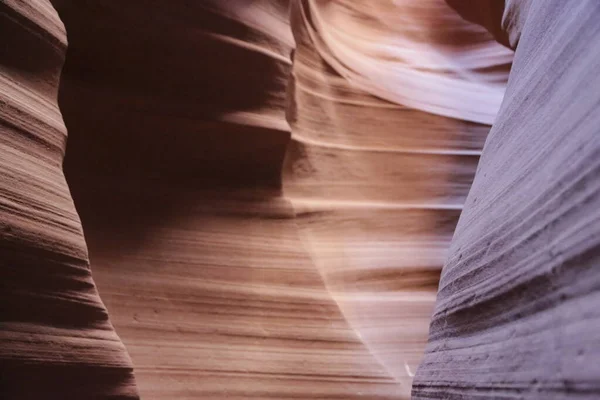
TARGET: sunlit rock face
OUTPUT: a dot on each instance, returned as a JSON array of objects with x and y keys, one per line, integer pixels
[
  {"x": 376, "y": 178},
  {"x": 420, "y": 54},
  {"x": 517, "y": 311},
  {"x": 56, "y": 341}
]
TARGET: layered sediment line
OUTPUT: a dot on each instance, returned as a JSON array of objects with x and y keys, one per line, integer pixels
[
  {"x": 517, "y": 308},
  {"x": 177, "y": 176},
  {"x": 54, "y": 329},
  {"x": 377, "y": 180}
]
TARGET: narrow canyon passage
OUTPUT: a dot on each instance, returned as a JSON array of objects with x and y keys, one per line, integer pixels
[
  {"x": 219, "y": 284},
  {"x": 195, "y": 251},
  {"x": 299, "y": 199},
  {"x": 378, "y": 187}
]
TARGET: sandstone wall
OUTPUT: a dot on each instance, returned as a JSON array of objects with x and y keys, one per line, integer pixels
[
  {"x": 517, "y": 309},
  {"x": 56, "y": 341}
]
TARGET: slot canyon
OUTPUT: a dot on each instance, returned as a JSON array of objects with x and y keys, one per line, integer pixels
[{"x": 299, "y": 199}]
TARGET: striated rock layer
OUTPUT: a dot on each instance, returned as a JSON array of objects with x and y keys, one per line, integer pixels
[
  {"x": 227, "y": 280},
  {"x": 420, "y": 54},
  {"x": 56, "y": 341},
  {"x": 176, "y": 173},
  {"x": 517, "y": 309},
  {"x": 377, "y": 186},
  {"x": 221, "y": 284},
  {"x": 215, "y": 297}
]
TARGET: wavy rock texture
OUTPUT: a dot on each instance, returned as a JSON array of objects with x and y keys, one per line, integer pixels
[
  {"x": 176, "y": 174},
  {"x": 420, "y": 54},
  {"x": 377, "y": 186},
  {"x": 517, "y": 309},
  {"x": 56, "y": 341},
  {"x": 224, "y": 286},
  {"x": 220, "y": 285}
]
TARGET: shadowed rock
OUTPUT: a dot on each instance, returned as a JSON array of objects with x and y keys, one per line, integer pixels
[{"x": 56, "y": 341}]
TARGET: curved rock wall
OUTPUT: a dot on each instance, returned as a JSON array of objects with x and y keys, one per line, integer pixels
[
  {"x": 56, "y": 341},
  {"x": 176, "y": 174},
  {"x": 517, "y": 309},
  {"x": 175, "y": 92},
  {"x": 378, "y": 186},
  {"x": 225, "y": 280},
  {"x": 220, "y": 286},
  {"x": 420, "y": 54}
]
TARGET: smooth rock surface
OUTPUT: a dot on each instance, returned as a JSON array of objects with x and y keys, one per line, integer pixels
[
  {"x": 517, "y": 311},
  {"x": 420, "y": 54}
]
